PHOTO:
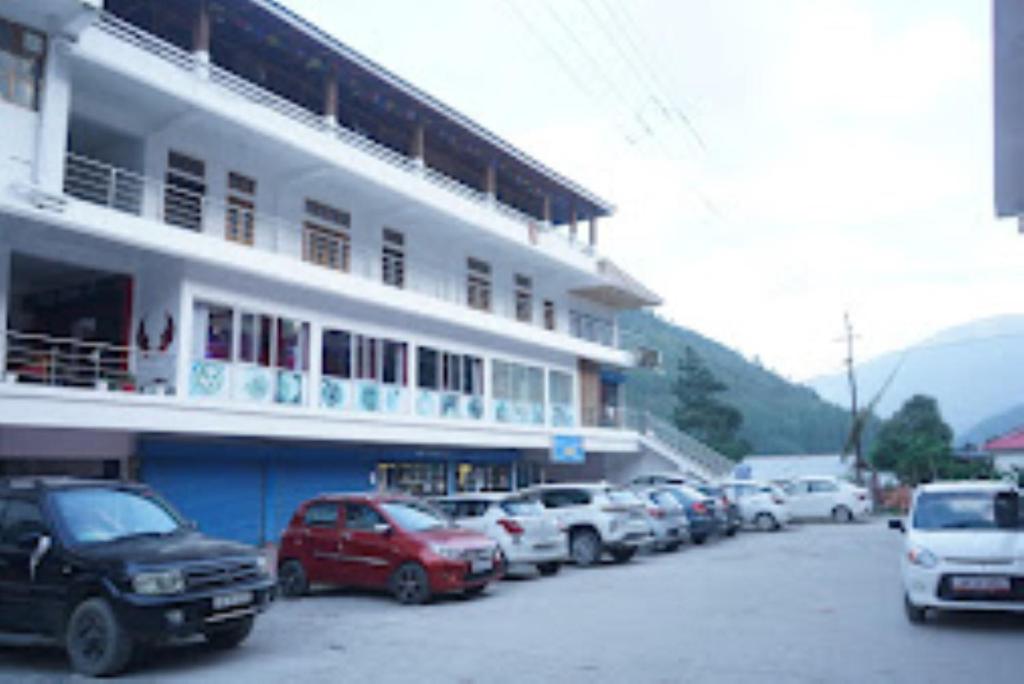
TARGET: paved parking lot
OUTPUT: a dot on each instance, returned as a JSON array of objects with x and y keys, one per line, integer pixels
[{"x": 812, "y": 604}]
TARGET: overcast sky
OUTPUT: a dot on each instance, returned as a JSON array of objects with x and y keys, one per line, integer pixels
[{"x": 843, "y": 161}]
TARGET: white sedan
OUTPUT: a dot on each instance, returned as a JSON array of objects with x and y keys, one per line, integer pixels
[
  {"x": 761, "y": 504},
  {"x": 827, "y": 497},
  {"x": 528, "y": 535},
  {"x": 964, "y": 549}
]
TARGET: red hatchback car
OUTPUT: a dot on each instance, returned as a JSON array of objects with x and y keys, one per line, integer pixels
[{"x": 381, "y": 541}]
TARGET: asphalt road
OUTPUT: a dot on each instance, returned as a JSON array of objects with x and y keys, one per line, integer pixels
[{"x": 817, "y": 603}]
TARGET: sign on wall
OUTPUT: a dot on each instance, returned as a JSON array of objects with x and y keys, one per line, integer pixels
[{"x": 567, "y": 449}]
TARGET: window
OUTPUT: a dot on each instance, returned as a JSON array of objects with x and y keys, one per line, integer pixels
[
  {"x": 524, "y": 299},
  {"x": 560, "y": 387},
  {"x": 22, "y": 52},
  {"x": 591, "y": 328},
  {"x": 337, "y": 353},
  {"x": 21, "y": 517},
  {"x": 393, "y": 258},
  {"x": 254, "y": 342},
  {"x": 326, "y": 240},
  {"x": 184, "y": 190},
  {"x": 426, "y": 371},
  {"x": 478, "y": 284},
  {"x": 321, "y": 514},
  {"x": 213, "y": 332},
  {"x": 292, "y": 345},
  {"x": 366, "y": 358},
  {"x": 393, "y": 358},
  {"x": 560, "y": 498},
  {"x": 519, "y": 384},
  {"x": 549, "y": 314},
  {"x": 818, "y": 486},
  {"x": 451, "y": 372},
  {"x": 362, "y": 517},
  {"x": 240, "y": 217}
]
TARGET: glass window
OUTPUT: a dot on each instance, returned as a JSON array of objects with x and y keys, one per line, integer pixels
[
  {"x": 561, "y": 387},
  {"x": 393, "y": 258},
  {"x": 240, "y": 216},
  {"x": 522, "y": 507},
  {"x": 213, "y": 331},
  {"x": 95, "y": 515},
  {"x": 21, "y": 517},
  {"x": 22, "y": 52},
  {"x": 360, "y": 516},
  {"x": 254, "y": 342},
  {"x": 549, "y": 314},
  {"x": 966, "y": 511},
  {"x": 326, "y": 240},
  {"x": 427, "y": 375},
  {"x": 337, "y": 353},
  {"x": 478, "y": 284},
  {"x": 524, "y": 299},
  {"x": 292, "y": 345},
  {"x": 414, "y": 516},
  {"x": 821, "y": 486},
  {"x": 394, "y": 371},
  {"x": 367, "y": 350},
  {"x": 321, "y": 514}
]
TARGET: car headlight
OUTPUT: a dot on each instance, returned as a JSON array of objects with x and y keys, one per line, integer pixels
[
  {"x": 158, "y": 582},
  {"x": 922, "y": 557},
  {"x": 262, "y": 566},
  {"x": 448, "y": 552}
]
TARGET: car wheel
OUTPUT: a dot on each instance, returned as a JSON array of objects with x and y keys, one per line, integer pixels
[
  {"x": 766, "y": 522},
  {"x": 410, "y": 584},
  {"x": 96, "y": 643},
  {"x": 731, "y": 532},
  {"x": 699, "y": 539},
  {"x": 916, "y": 614},
  {"x": 230, "y": 635},
  {"x": 842, "y": 514},
  {"x": 585, "y": 547},
  {"x": 292, "y": 579},
  {"x": 623, "y": 555},
  {"x": 549, "y": 569},
  {"x": 674, "y": 546}
]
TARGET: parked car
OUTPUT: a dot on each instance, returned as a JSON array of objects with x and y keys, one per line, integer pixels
[
  {"x": 109, "y": 567},
  {"x": 657, "y": 479},
  {"x": 827, "y": 497},
  {"x": 385, "y": 542},
  {"x": 700, "y": 512},
  {"x": 666, "y": 517},
  {"x": 761, "y": 504},
  {"x": 527, "y": 534},
  {"x": 962, "y": 549},
  {"x": 599, "y": 518},
  {"x": 726, "y": 510}
]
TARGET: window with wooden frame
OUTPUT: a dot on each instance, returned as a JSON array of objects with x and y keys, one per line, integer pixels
[
  {"x": 184, "y": 191},
  {"x": 478, "y": 284},
  {"x": 524, "y": 299},
  {"x": 325, "y": 236},
  {"x": 240, "y": 217},
  {"x": 549, "y": 315},
  {"x": 22, "y": 54},
  {"x": 392, "y": 267}
]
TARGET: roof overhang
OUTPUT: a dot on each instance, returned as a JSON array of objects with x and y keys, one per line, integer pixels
[{"x": 617, "y": 289}]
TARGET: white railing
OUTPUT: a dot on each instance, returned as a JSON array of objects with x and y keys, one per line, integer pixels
[
  {"x": 651, "y": 426},
  {"x": 67, "y": 362},
  {"x": 263, "y": 97},
  {"x": 100, "y": 183}
]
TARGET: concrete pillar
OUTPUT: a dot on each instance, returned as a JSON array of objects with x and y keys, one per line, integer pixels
[
  {"x": 5, "y": 288},
  {"x": 593, "y": 231},
  {"x": 491, "y": 181},
  {"x": 186, "y": 335},
  {"x": 546, "y": 209},
  {"x": 331, "y": 100},
  {"x": 573, "y": 225},
  {"x": 316, "y": 363},
  {"x": 54, "y": 110},
  {"x": 417, "y": 148},
  {"x": 201, "y": 34},
  {"x": 412, "y": 358}
]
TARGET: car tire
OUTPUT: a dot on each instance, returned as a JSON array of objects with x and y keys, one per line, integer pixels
[
  {"x": 623, "y": 555},
  {"x": 549, "y": 569},
  {"x": 731, "y": 532},
  {"x": 410, "y": 585},
  {"x": 96, "y": 643},
  {"x": 766, "y": 522},
  {"x": 292, "y": 579},
  {"x": 585, "y": 547},
  {"x": 915, "y": 614},
  {"x": 230, "y": 635},
  {"x": 699, "y": 539},
  {"x": 842, "y": 514},
  {"x": 674, "y": 546}
]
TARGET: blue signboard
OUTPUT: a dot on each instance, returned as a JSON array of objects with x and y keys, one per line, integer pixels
[
  {"x": 567, "y": 449},
  {"x": 742, "y": 472}
]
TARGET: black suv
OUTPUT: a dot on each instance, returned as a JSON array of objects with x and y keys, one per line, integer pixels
[{"x": 106, "y": 567}]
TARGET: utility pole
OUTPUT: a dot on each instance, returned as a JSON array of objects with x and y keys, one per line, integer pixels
[{"x": 855, "y": 431}]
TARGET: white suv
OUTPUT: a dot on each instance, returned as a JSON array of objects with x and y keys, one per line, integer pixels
[
  {"x": 822, "y": 496},
  {"x": 528, "y": 534},
  {"x": 599, "y": 518},
  {"x": 964, "y": 549},
  {"x": 761, "y": 504}
]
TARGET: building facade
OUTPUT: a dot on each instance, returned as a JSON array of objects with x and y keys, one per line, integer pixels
[{"x": 246, "y": 264}]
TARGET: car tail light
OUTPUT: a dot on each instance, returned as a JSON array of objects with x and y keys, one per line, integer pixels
[
  {"x": 699, "y": 507},
  {"x": 511, "y": 526},
  {"x": 656, "y": 512}
]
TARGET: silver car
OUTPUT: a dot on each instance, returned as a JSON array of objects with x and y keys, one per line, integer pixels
[{"x": 666, "y": 518}]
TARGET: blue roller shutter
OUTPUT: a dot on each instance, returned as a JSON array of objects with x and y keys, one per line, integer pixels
[{"x": 295, "y": 478}]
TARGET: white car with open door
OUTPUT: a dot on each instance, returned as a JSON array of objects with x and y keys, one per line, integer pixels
[
  {"x": 528, "y": 535},
  {"x": 963, "y": 549},
  {"x": 822, "y": 497}
]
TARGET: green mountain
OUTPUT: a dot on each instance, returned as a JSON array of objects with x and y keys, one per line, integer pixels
[
  {"x": 993, "y": 426},
  {"x": 779, "y": 417}
]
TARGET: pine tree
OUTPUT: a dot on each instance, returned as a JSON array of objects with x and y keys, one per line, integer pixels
[{"x": 700, "y": 414}]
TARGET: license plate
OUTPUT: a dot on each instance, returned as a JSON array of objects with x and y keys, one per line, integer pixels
[
  {"x": 482, "y": 565},
  {"x": 981, "y": 584},
  {"x": 225, "y": 601}
]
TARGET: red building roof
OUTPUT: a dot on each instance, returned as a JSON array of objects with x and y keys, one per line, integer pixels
[{"x": 1011, "y": 441}]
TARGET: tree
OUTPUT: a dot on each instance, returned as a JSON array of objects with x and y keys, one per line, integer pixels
[
  {"x": 699, "y": 413},
  {"x": 916, "y": 444}
]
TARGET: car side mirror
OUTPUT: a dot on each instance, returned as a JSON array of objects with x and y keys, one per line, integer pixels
[
  {"x": 897, "y": 524},
  {"x": 382, "y": 529},
  {"x": 192, "y": 525}
]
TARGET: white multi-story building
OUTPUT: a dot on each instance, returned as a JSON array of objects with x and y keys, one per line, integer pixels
[{"x": 246, "y": 264}]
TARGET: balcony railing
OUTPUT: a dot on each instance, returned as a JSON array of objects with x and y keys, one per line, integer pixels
[{"x": 254, "y": 93}]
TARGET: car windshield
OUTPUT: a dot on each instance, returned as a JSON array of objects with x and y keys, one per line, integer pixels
[
  {"x": 95, "y": 515},
  {"x": 621, "y": 496},
  {"x": 415, "y": 517},
  {"x": 522, "y": 507},
  {"x": 966, "y": 511}
]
